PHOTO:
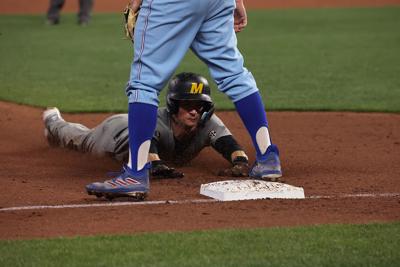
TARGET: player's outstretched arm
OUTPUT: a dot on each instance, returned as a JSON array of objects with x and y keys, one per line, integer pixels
[
  {"x": 240, "y": 166},
  {"x": 229, "y": 148}
]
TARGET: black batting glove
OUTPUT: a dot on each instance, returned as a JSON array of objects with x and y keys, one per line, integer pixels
[
  {"x": 240, "y": 168},
  {"x": 160, "y": 170}
]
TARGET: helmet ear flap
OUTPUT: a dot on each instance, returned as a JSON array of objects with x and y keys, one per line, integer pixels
[
  {"x": 172, "y": 106},
  {"x": 209, "y": 111}
]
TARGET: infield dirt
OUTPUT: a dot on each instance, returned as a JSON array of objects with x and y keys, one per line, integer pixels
[{"x": 328, "y": 154}]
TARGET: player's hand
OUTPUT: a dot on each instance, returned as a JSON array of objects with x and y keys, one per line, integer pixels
[
  {"x": 135, "y": 5},
  {"x": 240, "y": 169},
  {"x": 240, "y": 16},
  {"x": 161, "y": 171}
]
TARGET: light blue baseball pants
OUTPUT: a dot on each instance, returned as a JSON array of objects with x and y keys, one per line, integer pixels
[{"x": 166, "y": 29}]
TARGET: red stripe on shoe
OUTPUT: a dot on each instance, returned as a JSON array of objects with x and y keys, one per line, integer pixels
[
  {"x": 131, "y": 181},
  {"x": 111, "y": 183},
  {"x": 121, "y": 182}
]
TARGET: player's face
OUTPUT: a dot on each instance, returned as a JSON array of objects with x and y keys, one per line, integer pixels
[{"x": 189, "y": 112}]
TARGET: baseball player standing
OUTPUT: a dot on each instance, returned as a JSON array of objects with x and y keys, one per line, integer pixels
[{"x": 165, "y": 30}]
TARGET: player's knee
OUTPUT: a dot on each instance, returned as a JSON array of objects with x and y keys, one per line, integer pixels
[
  {"x": 137, "y": 95},
  {"x": 238, "y": 86}
]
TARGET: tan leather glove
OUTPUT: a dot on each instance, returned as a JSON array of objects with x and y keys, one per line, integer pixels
[{"x": 130, "y": 17}]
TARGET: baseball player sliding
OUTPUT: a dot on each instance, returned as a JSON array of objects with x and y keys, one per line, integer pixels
[
  {"x": 184, "y": 128},
  {"x": 164, "y": 31}
]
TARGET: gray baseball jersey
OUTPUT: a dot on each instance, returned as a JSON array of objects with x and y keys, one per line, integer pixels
[
  {"x": 170, "y": 149},
  {"x": 111, "y": 137}
]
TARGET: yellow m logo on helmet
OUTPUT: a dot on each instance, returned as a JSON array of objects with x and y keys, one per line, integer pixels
[{"x": 197, "y": 88}]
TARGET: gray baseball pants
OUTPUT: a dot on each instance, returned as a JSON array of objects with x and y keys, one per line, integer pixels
[{"x": 110, "y": 138}]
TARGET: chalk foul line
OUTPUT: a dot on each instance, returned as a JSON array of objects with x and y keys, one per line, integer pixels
[{"x": 189, "y": 201}]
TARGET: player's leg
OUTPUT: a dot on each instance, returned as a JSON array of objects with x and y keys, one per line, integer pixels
[
  {"x": 61, "y": 133},
  {"x": 216, "y": 44},
  {"x": 53, "y": 13},
  {"x": 109, "y": 138},
  {"x": 85, "y": 8},
  {"x": 163, "y": 34}
]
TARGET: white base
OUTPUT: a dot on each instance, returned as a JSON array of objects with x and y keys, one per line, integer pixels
[{"x": 250, "y": 189}]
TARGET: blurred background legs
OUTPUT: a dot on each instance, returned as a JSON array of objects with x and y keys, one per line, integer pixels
[
  {"x": 53, "y": 13},
  {"x": 85, "y": 8},
  {"x": 55, "y": 6}
]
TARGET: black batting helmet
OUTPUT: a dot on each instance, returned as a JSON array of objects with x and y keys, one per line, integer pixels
[{"x": 188, "y": 86}]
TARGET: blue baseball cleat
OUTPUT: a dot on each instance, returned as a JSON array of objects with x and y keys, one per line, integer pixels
[
  {"x": 270, "y": 168},
  {"x": 124, "y": 185}
]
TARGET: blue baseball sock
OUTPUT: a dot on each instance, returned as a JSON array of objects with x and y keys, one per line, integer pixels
[
  {"x": 142, "y": 119},
  {"x": 251, "y": 111}
]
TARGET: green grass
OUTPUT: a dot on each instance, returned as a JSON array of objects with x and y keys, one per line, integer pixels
[
  {"x": 328, "y": 59},
  {"x": 329, "y": 245},
  {"x": 304, "y": 59},
  {"x": 75, "y": 68}
]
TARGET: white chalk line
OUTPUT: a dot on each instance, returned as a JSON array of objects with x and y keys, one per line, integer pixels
[{"x": 189, "y": 201}]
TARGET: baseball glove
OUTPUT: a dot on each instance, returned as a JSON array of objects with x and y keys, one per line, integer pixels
[
  {"x": 161, "y": 171},
  {"x": 130, "y": 17}
]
